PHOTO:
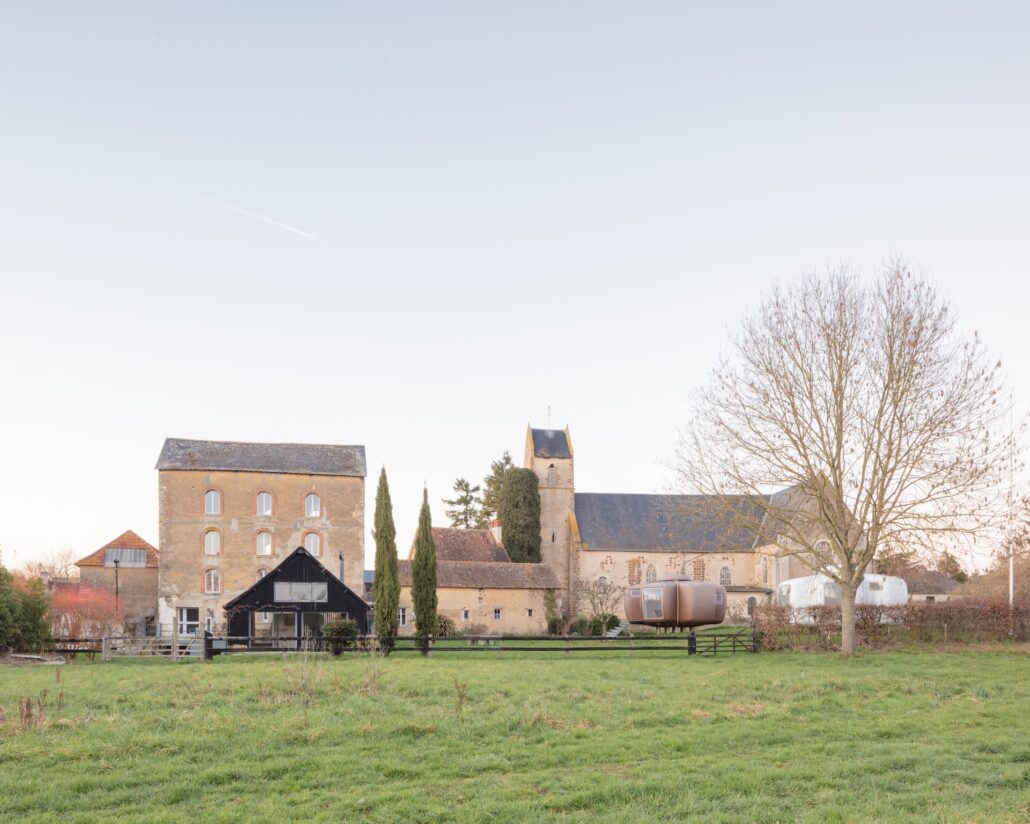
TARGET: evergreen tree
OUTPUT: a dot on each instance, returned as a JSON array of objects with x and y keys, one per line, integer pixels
[
  {"x": 520, "y": 515},
  {"x": 490, "y": 504},
  {"x": 23, "y": 612},
  {"x": 386, "y": 588},
  {"x": 465, "y": 512},
  {"x": 423, "y": 574}
]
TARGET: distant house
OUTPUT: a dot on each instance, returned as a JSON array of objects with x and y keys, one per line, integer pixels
[
  {"x": 127, "y": 566},
  {"x": 929, "y": 585},
  {"x": 478, "y": 586}
]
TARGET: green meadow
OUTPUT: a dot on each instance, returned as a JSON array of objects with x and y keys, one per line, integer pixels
[{"x": 888, "y": 736}]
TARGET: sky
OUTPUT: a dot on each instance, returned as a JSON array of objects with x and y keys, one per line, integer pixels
[{"x": 421, "y": 226}]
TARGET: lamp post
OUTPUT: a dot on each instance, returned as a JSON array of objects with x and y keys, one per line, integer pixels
[{"x": 117, "y": 607}]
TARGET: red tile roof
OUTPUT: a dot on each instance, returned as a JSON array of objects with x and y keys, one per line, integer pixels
[
  {"x": 127, "y": 540},
  {"x": 485, "y": 575}
]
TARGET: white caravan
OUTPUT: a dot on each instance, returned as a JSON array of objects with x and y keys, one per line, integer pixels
[{"x": 821, "y": 591}]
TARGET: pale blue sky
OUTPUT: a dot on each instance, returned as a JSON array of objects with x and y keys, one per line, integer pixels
[{"x": 500, "y": 207}]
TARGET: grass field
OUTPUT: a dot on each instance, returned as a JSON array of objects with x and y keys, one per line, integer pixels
[{"x": 895, "y": 736}]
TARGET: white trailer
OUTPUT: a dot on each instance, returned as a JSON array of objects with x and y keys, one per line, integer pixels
[{"x": 821, "y": 591}]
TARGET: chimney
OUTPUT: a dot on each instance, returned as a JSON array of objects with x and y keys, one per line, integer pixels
[
  {"x": 495, "y": 530},
  {"x": 341, "y": 566}
]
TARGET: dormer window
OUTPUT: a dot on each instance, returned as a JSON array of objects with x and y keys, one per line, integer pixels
[{"x": 312, "y": 505}]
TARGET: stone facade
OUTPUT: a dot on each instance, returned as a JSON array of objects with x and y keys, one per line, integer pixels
[
  {"x": 522, "y": 611},
  {"x": 202, "y": 572},
  {"x": 136, "y": 586}
]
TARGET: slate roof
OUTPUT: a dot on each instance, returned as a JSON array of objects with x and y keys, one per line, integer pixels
[
  {"x": 923, "y": 581},
  {"x": 550, "y": 443},
  {"x": 466, "y": 545},
  {"x": 666, "y": 523},
  {"x": 127, "y": 540},
  {"x": 486, "y": 575},
  {"x": 288, "y": 458}
]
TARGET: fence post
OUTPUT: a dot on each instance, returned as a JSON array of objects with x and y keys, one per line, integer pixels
[
  {"x": 175, "y": 641},
  {"x": 691, "y": 643},
  {"x": 566, "y": 644},
  {"x": 632, "y": 645},
  {"x": 429, "y": 647},
  {"x": 105, "y": 649}
]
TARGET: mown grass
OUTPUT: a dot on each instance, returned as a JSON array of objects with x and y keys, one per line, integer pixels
[{"x": 600, "y": 737}]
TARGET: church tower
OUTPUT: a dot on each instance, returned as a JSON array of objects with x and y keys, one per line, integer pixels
[{"x": 549, "y": 455}]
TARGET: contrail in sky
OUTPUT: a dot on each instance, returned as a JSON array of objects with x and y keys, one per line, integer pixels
[{"x": 242, "y": 211}]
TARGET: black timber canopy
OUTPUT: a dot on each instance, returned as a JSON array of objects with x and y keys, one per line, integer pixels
[{"x": 298, "y": 584}]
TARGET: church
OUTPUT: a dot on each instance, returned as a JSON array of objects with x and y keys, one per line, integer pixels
[{"x": 624, "y": 539}]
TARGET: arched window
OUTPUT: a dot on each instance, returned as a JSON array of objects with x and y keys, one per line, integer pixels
[
  {"x": 552, "y": 476},
  {"x": 212, "y": 542},
  {"x": 602, "y": 580},
  {"x": 312, "y": 505},
  {"x": 650, "y": 574},
  {"x": 261, "y": 573},
  {"x": 264, "y": 504},
  {"x": 313, "y": 543},
  {"x": 822, "y": 546},
  {"x": 725, "y": 577},
  {"x": 212, "y": 502},
  {"x": 212, "y": 582},
  {"x": 263, "y": 543},
  {"x": 752, "y": 602}
]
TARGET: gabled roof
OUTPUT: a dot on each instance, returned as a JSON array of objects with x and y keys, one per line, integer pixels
[
  {"x": 300, "y": 566},
  {"x": 127, "y": 540},
  {"x": 923, "y": 581},
  {"x": 666, "y": 523},
  {"x": 465, "y": 545},
  {"x": 551, "y": 443},
  {"x": 485, "y": 575},
  {"x": 286, "y": 458}
]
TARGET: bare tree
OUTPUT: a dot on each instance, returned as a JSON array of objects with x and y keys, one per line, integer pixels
[
  {"x": 59, "y": 565},
  {"x": 861, "y": 399},
  {"x": 602, "y": 596}
]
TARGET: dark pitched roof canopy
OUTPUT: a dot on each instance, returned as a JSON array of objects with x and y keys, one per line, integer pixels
[
  {"x": 666, "y": 523},
  {"x": 486, "y": 575},
  {"x": 125, "y": 545},
  {"x": 300, "y": 567},
  {"x": 287, "y": 458},
  {"x": 466, "y": 545},
  {"x": 550, "y": 443}
]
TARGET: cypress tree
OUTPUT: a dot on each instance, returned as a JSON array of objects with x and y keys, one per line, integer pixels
[
  {"x": 519, "y": 512},
  {"x": 423, "y": 574},
  {"x": 490, "y": 503},
  {"x": 386, "y": 588}
]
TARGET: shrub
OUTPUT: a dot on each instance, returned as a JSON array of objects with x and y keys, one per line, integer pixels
[
  {"x": 445, "y": 627},
  {"x": 340, "y": 635},
  {"x": 23, "y": 612},
  {"x": 580, "y": 626},
  {"x": 600, "y": 624}
]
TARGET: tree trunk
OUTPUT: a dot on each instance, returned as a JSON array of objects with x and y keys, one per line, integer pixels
[{"x": 847, "y": 620}]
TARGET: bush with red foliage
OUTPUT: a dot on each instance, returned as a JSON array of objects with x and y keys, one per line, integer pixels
[{"x": 83, "y": 612}]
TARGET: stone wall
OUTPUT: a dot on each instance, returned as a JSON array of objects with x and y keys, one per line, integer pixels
[{"x": 514, "y": 604}]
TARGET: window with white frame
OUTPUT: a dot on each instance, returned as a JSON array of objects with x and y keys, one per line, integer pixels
[
  {"x": 212, "y": 542},
  {"x": 264, "y": 504},
  {"x": 302, "y": 591},
  {"x": 209, "y": 623},
  {"x": 263, "y": 543},
  {"x": 212, "y": 502},
  {"x": 313, "y": 543},
  {"x": 188, "y": 620},
  {"x": 497, "y": 613},
  {"x": 263, "y": 617},
  {"x": 725, "y": 576},
  {"x": 212, "y": 582},
  {"x": 402, "y": 616},
  {"x": 312, "y": 505}
]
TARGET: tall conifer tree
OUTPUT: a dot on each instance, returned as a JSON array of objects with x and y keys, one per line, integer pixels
[
  {"x": 423, "y": 574},
  {"x": 520, "y": 515},
  {"x": 386, "y": 588}
]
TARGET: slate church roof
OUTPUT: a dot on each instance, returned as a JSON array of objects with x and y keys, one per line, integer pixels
[
  {"x": 550, "y": 443},
  {"x": 287, "y": 458},
  {"x": 665, "y": 523}
]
